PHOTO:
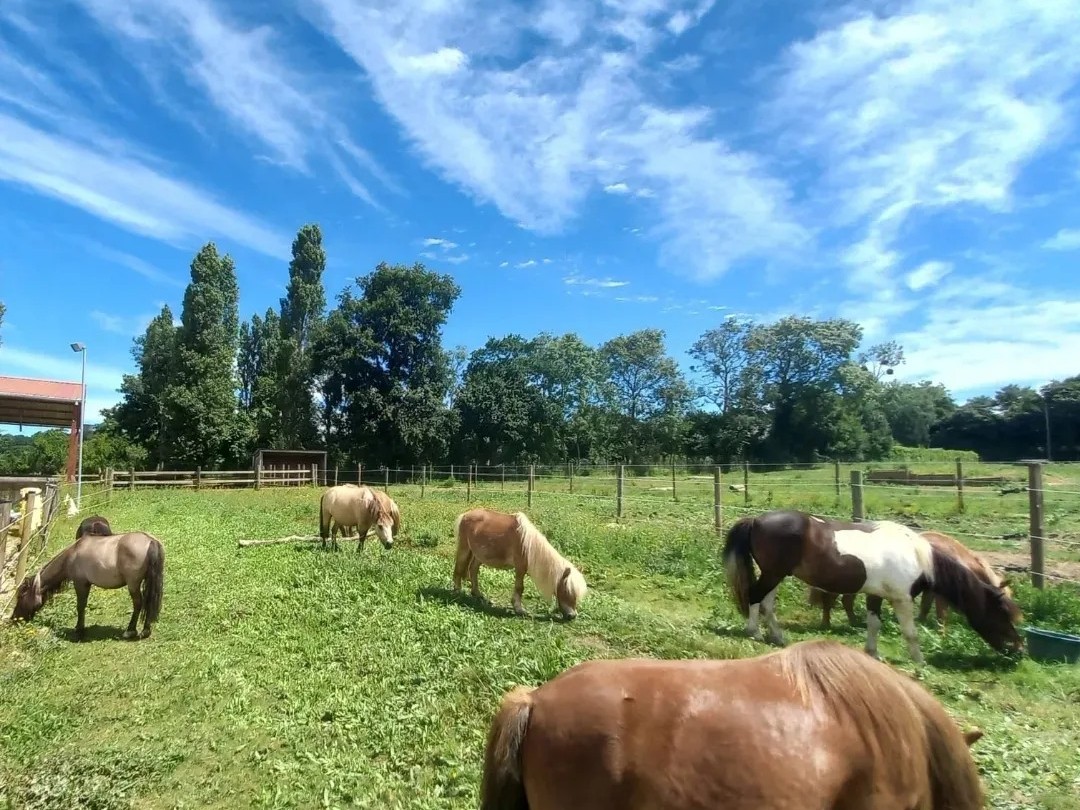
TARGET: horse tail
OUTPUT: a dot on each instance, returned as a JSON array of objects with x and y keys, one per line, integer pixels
[
  {"x": 954, "y": 777},
  {"x": 324, "y": 518},
  {"x": 501, "y": 786},
  {"x": 738, "y": 562},
  {"x": 154, "y": 582}
]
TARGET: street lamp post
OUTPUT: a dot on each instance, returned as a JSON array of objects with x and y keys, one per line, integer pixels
[{"x": 81, "y": 349}]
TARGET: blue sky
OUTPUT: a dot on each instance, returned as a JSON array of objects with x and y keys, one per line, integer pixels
[{"x": 590, "y": 166}]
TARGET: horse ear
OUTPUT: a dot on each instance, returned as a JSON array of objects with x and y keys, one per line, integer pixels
[
  {"x": 565, "y": 574},
  {"x": 973, "y": 736}
]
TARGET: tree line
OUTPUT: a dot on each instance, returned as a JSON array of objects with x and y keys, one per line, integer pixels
[{"x": 370, "y": 380}]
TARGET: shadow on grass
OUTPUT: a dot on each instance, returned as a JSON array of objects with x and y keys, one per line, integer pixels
[
  {"x": 93, "y": 632},
  {"x": 988, "y": 661},
  {"x": 483, "y": 605}
]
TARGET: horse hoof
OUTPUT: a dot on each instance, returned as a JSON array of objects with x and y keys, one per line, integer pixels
[
  {"x": 130, "y": 634},
  {"x": 145, "y": 633}
]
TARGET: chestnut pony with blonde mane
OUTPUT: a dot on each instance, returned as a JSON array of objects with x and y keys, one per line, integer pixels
[
  {"x": 349, "y": 505},
  {"x": 975, "y": 562},
  {"x": 816, "y": 725},
  {"x": 504, "y": 540}
]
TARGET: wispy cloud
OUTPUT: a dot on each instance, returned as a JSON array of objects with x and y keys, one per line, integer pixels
[
  {"x": 637, "y": 299},
  {"x": 461, "y": 258},
  {"x": 1065, "y": 239},
  {"x": 527, "y": 263},
  {"x": 602, "y": 283},
  {"x": 125, "y": 191},
  {"x": 927, "y": 274},
  {"x": 245, "y": 73},
  {"x": 60, "y": 367},
  {"x": 535, "y": 137},
  {"x": 617, "y": 188},
  {"x": 121, "y": 324},
  {"x": 434, "y": 241},
  {"x": 133, "y": 263}
]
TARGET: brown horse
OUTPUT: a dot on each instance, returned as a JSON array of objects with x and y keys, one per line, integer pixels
[
  {"x": 883, "y": 559},
  {"x": 817, "y": 725},
  {"x": 349, "y": 505},
  {"x": 134, "y": 559},
  {"x": 980, "y": 567},
  {"x": 504, "y": 540},
  {"x": 94, "y": 525}
]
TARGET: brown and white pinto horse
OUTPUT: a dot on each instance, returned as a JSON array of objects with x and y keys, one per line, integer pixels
[
  {"x": 817, "y": 725},
  {"x": 980, "y": 567},
  {"x": 883, "y": 559}
]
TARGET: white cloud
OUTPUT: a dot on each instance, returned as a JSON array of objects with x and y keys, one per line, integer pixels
[
  {"x": 459, "y": 259},
  {"x": 1065, "y": 239},
  {"x": 245, "y": 73},
  {"x": 133, "y": 263},
  {"x": 124, "y": 190},
  {"x": 535, "y": 137},
  {"x": 504, "y": 264},
  {"x": 927, "y": 274},
  {"x": 527, "y": 263},
  {"x": 617, "y": 188},
  {"x": 121, "y": 324},
  {"x": 603, "y": 283},
  {"x": 637, "y": 299},
  {"x": 445, "y": 244},
  {"x": 547, "y": 261},
  {"x": 934, "y": 104}
]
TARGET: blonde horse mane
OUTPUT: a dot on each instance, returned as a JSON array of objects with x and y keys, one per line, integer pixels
[
  {"x": 546, "y": 565},
  {"x": 886, "y": 705}
]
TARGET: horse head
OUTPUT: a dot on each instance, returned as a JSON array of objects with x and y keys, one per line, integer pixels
[
  {"x": 28, "y": 599},
  {"x": 997, "y": 622},
  {"x": 569, "y": 591},
  {"x": 384, "y": 526}
]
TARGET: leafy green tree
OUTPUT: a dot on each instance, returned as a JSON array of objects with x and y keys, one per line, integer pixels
[
  {"x": 260, "y": 389},
  {"x": 645, "y": 395},
  {"x": 202, "y": 401},
  {"x": 301, "y": 315},
  {"x": 143, "y": 417},
  {"x": 384, "y": 375},
  {"x": 912, "y": 410}
]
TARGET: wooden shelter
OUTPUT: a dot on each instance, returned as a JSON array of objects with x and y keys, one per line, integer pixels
[
  {"x": 299, "y": 460},
  {"x": 29, "y": 402}
]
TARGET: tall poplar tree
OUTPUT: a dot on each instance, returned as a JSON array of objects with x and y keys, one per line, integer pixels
[
  {"x": 203, "y": 398},
  {"x": 301, "y": 314}
]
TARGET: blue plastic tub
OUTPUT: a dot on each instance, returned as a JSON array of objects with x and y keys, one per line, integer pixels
[{"x": 1050, "y": 645}]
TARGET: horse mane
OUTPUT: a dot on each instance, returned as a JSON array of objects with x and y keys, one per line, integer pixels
[
  {"x": 888, "y": 709},
  {"x": 545, "y": 564}
]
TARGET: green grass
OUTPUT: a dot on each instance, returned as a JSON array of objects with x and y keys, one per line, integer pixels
[{"x": 283, "y": 676}]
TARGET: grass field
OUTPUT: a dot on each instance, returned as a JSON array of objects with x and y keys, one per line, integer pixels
[{"x": 284, "y": 676}]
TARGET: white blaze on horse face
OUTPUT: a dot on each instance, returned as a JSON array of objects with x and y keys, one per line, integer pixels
[{"x": 894, "y": 557}]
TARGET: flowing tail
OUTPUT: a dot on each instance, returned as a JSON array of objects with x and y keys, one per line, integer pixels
[
  {"x": 324, "y": 518},
  {"x": 154, "y": 583},
  {"x": 739, "y": 563},
  {"x": 502, "y": 787},
  {"x": 954, "y": 777}
]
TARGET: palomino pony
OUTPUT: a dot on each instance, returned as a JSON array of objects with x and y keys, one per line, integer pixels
[
  {"x": 883, "y": 559},
  {"x": 94, "y": 525},
  {"x": 360, "y": 506},
  {"x": 133, "y": 559},
  {"x": 980, "y": 567},
  {"x": 503, "y": 540},
  {"x": 816, "y": 725}
]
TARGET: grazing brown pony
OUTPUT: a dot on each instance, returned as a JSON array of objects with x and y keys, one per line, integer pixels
[
  {"x": 349, "y": 505},
  {"x": 133, "y": 559},
  {"x": 883, "y": 559},
  {"x": 816, "y": 725},
  {"x": 980, "y": 567},
  {"x": 504, "y": 540},
  {"x": 94, "y": 525}
]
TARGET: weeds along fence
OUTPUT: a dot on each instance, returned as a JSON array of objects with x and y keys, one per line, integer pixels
[
  {"x": 25, "y": 524},
  {"x": 1027, "y": 512}
]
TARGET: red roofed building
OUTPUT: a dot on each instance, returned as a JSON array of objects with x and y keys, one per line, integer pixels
[{"x": 44, "y": 403}]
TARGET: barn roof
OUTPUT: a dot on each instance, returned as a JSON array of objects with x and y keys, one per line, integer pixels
[{"x": 39, "y": 403}]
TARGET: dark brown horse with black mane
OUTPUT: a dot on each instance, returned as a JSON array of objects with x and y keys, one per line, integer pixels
[
  {"x": 883, "y": 559},
  {"x": 133, "y": 559},
  {"x": 817, "y": 725}
]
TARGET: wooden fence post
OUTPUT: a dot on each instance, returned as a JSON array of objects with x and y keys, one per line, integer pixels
[
  {"x": 335, "y": 475},
  {"x": 673, "y": 479},
  {"x": 412, "y": 474},
  {"x": 468, "y": 486},
  {"x": 502, "y": 482},
  {"x": 386, "y": 479},
  {"x": 532, "y": 482},
  {"x": 836, "y": 476},
  {"x": 857, "y": 513},
  {"x": 24, "y": 536},
  {"x": 1037, "y": 530},
  {"x": 746, "y": 482},
  {"x": 198, "y": 478},
  {"x": 619, "y": 491},
  {"x": 452, "y": 473},
  {"x": 5, "y": 519},
  {"x": 258, "y": 476},
  {"x": 960, "y": 485},
  {"x": 360, "y": 473},
  {"x": 570, "y": 475},
  {"x": 131, "y": 480},
  {"x": 718, "y": 503},
  {"x": 314, "y": 474}
]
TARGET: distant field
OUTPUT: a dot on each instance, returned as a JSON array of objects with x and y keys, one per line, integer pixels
[{"x": 283, "y": 676}]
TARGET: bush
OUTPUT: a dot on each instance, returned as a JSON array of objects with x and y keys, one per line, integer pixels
[{"x": 901, "y": 453}]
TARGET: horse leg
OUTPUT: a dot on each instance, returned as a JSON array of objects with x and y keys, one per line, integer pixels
[
  {"x": 82, "y": 594},
  {"x": 136, "y": 608},
  {"x": 905, "y": 615},
  {"x": 942, "y": 612},
  {"x": 474, "y": 577},
  {"x": 873, "y": 624},
  {"x": 768, "y": 605},
  {"x": 360, "y": 538},
  {"x": 461, "y": 566},
  {"x": 848, "y": 601},
  {"x": 924, "y": 606},
  {"x": 519, "y": 589},
  {"x": 759, "y": 591},
  {"x": 828, "y": 601}
]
